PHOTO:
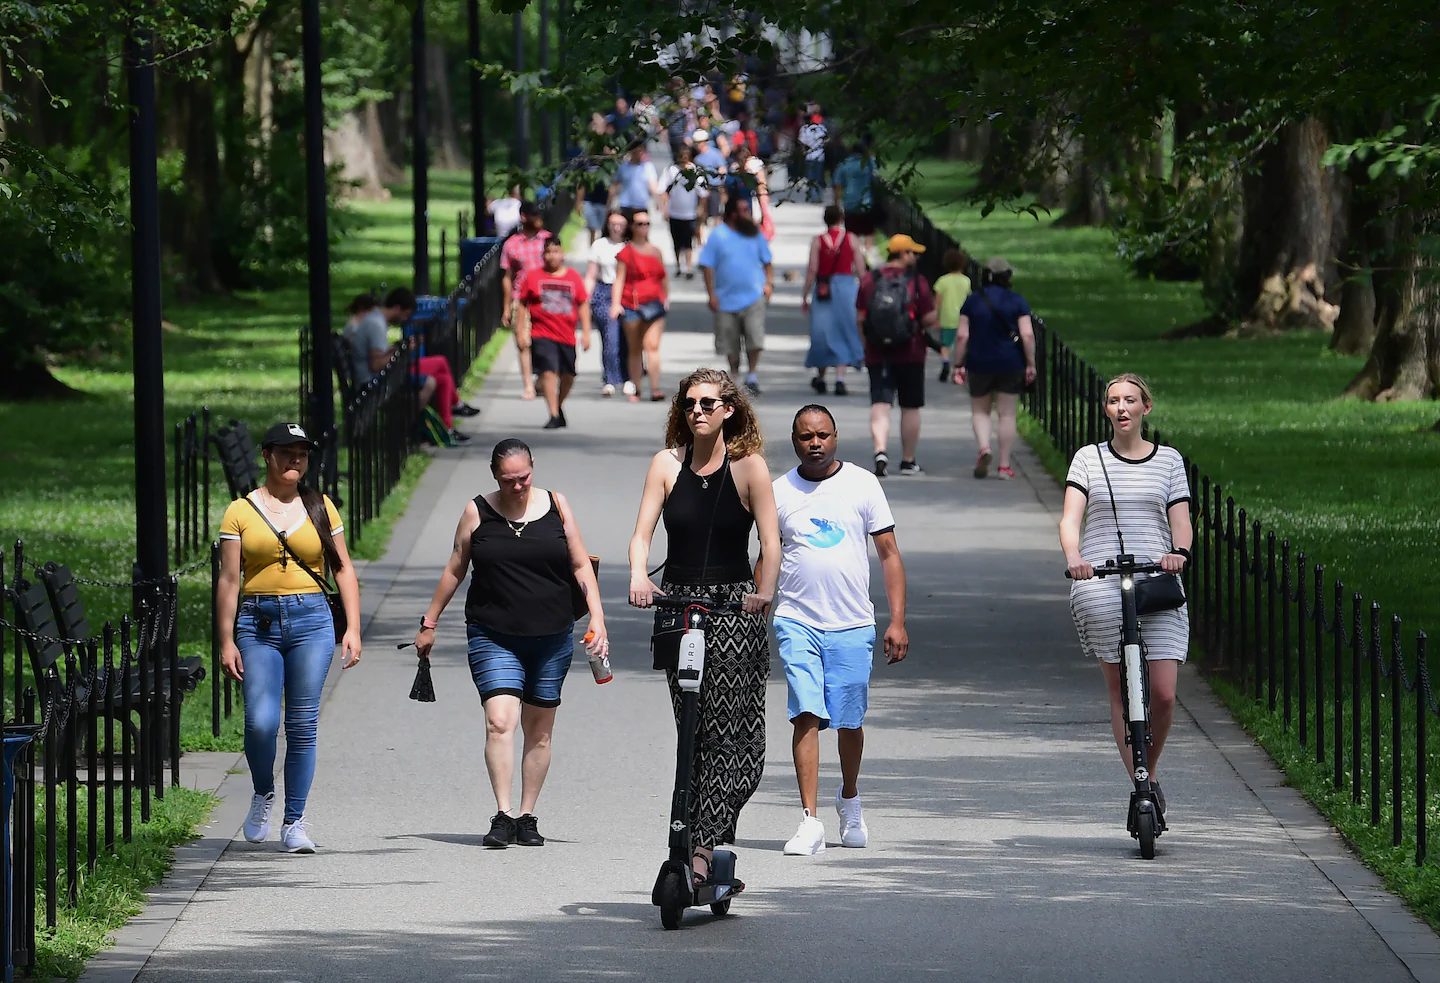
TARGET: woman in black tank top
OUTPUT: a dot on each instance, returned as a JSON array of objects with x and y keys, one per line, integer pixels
[
  {"x": 711, "y": 487},
  {"x": 526, "y": 557}
]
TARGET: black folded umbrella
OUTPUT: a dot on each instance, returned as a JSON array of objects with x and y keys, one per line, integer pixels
[{"x": 423, "y": 689}]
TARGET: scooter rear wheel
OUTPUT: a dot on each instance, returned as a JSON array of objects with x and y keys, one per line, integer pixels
[
  {"x": 720, "y": 907},
  {"x": 1145, "y": 833},
  {"x": 674, "y": 899}
]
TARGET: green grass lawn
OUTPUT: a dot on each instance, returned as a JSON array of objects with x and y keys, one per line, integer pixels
[
  {"x": 1353, "y": 484},
  {"x": 66, "y": 485}
]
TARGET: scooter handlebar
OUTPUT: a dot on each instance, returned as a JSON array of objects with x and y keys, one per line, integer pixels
[
  {"x": 1111, "y": 570},
  {"x": 680, "y": 601}
]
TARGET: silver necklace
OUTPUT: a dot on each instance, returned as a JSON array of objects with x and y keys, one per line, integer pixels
[
  {"x": 280, "y": 512},
  {"x": 516, "y": 529}
]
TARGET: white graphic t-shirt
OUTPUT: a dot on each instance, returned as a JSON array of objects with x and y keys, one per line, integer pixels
[{"x": 825, "y": 527}]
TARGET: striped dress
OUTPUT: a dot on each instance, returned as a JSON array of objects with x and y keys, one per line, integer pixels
[{"x": 1144, "y": 491}]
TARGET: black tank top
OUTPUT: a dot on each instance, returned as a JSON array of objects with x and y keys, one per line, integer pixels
[
  {"x": 519, "y": 581},
  {"x": 705, "y": 515}
]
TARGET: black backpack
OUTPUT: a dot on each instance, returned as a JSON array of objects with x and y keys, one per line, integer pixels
[{"x": 889, "y": 322}]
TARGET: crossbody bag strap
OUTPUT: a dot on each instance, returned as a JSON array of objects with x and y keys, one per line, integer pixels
[
  {"x": 1015, "y": 328},
  {"x": 324, "y": 587},
  {"x": 1100, "y": 453},
  {"x": 834, "y": 254}
]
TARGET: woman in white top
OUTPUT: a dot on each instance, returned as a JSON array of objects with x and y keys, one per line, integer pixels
[
  {"x": 599, "y": 280},
  {"x": 505, "y": 212},
  {"x": 1151, "y": 499}
]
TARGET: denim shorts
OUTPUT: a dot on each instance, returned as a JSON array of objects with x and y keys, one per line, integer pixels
[
  {"x": 532, "y": 667},
  {"x": 827, "y": 673}
]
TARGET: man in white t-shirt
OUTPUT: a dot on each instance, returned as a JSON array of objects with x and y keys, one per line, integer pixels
[
  {"x": 812, "y": 139},
  {"x": 824, "y": 618},
  {"x": 683, "y": 191}
]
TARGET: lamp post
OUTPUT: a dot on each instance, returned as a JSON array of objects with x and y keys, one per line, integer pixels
[
  {"x": 546, "y": 137},
  {"x": 521, "y": 150},
  {"x": 477, "y": 119},
  {"x": 152, "y": 534},
  {"x": 420, "y": 185},
  {"x": 322, "y": 398}
]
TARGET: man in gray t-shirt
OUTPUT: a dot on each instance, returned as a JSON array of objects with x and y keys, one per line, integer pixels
[{"x": 369, "y": 339}]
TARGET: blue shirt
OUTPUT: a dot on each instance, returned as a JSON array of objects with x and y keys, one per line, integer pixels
[
  {"x": 990, "y": 348},
  {"x": 739, "y": 263},
  {"x": 635, "y": 181},
  {"x": 854, "y": 176},
  {"x": 712, "y": 162}
]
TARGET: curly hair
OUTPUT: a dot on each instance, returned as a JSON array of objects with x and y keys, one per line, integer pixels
[{"x": 741, "y": 430}]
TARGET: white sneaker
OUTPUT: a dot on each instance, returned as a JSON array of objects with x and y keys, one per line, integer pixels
[
  {"x": 808, "y": 840},
  {"x": 852, "y": 821},
  {"x": 257, "y": 822},
  {"x": 607, "y": 390},
  {"x": 293, "y": 838},
  {"x": 630, "y": 389}
]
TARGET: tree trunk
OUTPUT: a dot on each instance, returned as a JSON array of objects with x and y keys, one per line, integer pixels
[
  {"x": 1355, "y": 326},
  {"x": 1286, "y": 245},
  {"x": 24, "y": 375},
  {"x": 385, "y": 166},
  {"x": 1404, "y": 360},
  {"x": 448, "y": 156},
  {"x": 969, "y": 142}
]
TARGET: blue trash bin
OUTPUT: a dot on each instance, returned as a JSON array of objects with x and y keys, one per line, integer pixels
[
  {"x": 473, "y": 250},
  {"x": 15, "y": 742}
]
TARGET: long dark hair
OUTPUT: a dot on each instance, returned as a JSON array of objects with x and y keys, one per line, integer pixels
[{"x": 314, "y": 503}]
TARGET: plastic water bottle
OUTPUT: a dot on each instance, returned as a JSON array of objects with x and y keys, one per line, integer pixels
[{"x": 600, "y": 663}]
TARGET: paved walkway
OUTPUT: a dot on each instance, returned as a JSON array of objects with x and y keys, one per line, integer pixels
[{"x": 994, "y": 797}]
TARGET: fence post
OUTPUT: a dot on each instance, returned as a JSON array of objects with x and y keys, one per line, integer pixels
[
  {"x": 1337, "y": 626},
  {"x": 1243, "y": 623},
  {"x": 127, "y": 666},
  {"x": 1357, "y": 645},
  {"x": 72, "y": 790},
  {"x": 1301, "y": 649},
  {"x": 110, "y": 683},
  {"x": 215, "y": 673},
  {"x": 179, "y": 496},
  {"x": 1375, "y": 714},
  {"x": 1319, "y": 615},
  {"x": 205, "y": 460},
  {"x": 1422, "y": 710},
  {"x": 1284, "y": 627},
  {"x": 1255, "y": 608},
  {"x": 1397, "y": 690},
  {"x": 92, "y": 759}
]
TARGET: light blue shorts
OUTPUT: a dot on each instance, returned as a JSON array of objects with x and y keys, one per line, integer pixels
[{"x": 827, "y": 673}]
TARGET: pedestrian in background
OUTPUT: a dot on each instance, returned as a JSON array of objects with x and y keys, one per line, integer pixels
[
  {"x": 683, "y": 197},
  {"x": 812, "y": 143},
  {"x": 523, "y": 548},
  {"x": 995, "y": 359},
  {"x": 836, "y": 265},
  {"x": 895, "y": 308},
  {"x": 639, "y": 301},
  {"x": 599, "y": 283},
  {"x": 520, "y": 254},
  {"x": 739, "y": 280},
  {"x": 828, "y": 511},
  {"x": 634, "y": 184},
  {"x": 281, "y": 539},
  {"x": 855, "y": 192},
  {"x": 555, "y": 301},
  {"x": 951, "y": 289},
  {"x": 713, "y": 166}
]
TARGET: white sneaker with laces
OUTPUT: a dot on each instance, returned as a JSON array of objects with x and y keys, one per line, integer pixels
[
  {"x": 293, "y": 838},
  {"x": 607, "y": 390},
  {"x": 257, "y": 822},
  {"x": 808, "y": 840},
  {"x": 853, "y": 832},
  {"x": 629, "y": 389}
]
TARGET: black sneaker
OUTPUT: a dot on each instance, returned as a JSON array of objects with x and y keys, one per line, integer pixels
[
  {"x": 527, "y": 832},
  {"x": 465, "y": 409},
  {"x": 910, "y": 468},
  {"x": 554, "y": 423},
  {"x": 882, "y": 461},
  {"x": 818, "y": 384},
  {"x": 945, "y": 371},
  {"x": 502, "y": 831},
  {"x": 563, "y": 422},
  {"x": 752, "y": 388},
  {"x": 460, "y": 436},
  {"x": 840, "y": 389}
]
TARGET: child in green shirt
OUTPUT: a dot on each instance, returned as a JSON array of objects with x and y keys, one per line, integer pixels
[{"x": 950, "y": 293}]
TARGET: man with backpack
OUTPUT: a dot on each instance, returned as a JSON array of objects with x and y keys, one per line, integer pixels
[{"x": 896, "y": 307}]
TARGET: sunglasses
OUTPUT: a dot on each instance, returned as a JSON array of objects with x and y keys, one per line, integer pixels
[
  {"x": 639, "y": 223},
  {"x": 708, "y": 404}
]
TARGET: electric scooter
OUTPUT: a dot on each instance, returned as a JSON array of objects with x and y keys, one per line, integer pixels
[
  {"x": 675, "y": 887},
  {"x": 1145, "y": 822}
]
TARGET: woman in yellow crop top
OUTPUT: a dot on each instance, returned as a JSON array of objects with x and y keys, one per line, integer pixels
[{"x": 281, "y": 641}]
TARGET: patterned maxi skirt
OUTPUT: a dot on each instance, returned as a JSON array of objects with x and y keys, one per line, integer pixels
[{"x": 730, "y": 740}]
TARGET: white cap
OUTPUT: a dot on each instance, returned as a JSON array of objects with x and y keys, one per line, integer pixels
[{"x": 700, "y": 135}]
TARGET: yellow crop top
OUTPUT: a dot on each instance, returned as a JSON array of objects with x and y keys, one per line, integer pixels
[{"x": 268, "y": 569}]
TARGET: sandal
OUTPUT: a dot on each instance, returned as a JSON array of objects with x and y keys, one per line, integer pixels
[
  {"x": 657, "y": 397},
  {"x": 700, "y": 879}
]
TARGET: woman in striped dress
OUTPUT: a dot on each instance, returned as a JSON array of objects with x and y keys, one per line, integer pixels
[{"x": 1152, "y": 503}]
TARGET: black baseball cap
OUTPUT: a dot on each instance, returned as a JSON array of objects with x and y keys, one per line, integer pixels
[
  {"x": 285, "y": 434},
  {"x": 529, "y": 208}
]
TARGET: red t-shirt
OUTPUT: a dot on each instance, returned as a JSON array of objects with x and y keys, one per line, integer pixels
[
  {"x": 922, "y": 303},
  {"x": 554, "y": 301},
  {"x": 644, "y": 277}
]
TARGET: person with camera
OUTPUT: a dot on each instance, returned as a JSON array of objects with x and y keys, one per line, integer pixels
[
  {"x": 277, "y": 630},
  {"x": 895, "y": 309},
  {"x": 1130, "y": 495},
  {"x": 994, "y": 356}
]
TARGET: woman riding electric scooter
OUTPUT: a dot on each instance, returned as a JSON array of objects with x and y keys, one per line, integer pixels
[
  {"x": 711, "y": 485},
  {"x": 1150, "y": 493}
]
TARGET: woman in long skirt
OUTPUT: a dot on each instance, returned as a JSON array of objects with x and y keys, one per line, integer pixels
[{"x": 836, "y": 264}]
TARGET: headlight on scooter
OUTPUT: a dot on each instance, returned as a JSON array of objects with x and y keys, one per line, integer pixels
[{"x": 1127, "y": 583}]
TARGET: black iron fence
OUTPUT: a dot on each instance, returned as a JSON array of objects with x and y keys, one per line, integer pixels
[
  {"x": 94, "y": 719},
  {"x": 1313, "y": 653}
]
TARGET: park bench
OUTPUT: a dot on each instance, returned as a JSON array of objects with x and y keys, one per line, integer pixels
[{"x": 235, "y": 449}]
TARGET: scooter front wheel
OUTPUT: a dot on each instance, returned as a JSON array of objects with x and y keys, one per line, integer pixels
[
  {"x": 674, "y": 899},
  {"x": 720, "y": 907},
  {"x": 1145, "y": 833}
]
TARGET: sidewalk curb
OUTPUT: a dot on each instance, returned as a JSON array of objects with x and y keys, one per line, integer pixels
[{"x": 1412, "y": 941}]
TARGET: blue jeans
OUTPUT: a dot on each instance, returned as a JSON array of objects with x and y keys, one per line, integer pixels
[
  {"x": 287, "y": 643},
  {"x": 532, "y": 667},
  {"x": 613, "y": 350},
  {"x": 815, "y": 180}
]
